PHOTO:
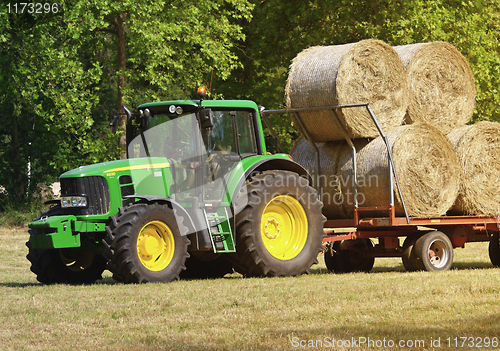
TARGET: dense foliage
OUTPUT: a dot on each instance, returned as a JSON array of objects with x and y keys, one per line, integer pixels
[{"x": 65, "y": 74}]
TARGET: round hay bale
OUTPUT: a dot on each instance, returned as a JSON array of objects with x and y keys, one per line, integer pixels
[
  {"x": 478, "y": 150},
  {"x": 303, "y": 153},
  {"x": 369, "y": 71},
  {"x": 441, "y": 84},
  {"x": 426, "y": 165}
]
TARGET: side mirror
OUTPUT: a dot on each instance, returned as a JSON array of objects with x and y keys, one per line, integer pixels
[
  {"x": 114, "y": 124},
  {"x": 206, "y": 118}
]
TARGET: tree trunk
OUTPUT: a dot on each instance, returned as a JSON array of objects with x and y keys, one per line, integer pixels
[
  {"x": 119, "y": 21},
  {"x": 17, "y": 168}
]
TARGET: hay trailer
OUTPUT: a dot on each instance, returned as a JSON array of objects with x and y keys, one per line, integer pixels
[{"x": 428, "y": 242}]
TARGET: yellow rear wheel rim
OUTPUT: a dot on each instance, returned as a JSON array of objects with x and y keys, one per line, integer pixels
[
  {"x": 155, "y": 246},
  {"x": 284, "y": 227}
]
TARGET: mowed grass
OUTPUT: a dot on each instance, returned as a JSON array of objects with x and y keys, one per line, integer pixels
[{"x": 235, "y": 313}]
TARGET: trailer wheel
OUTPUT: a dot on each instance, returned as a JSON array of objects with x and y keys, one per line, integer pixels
[
  {"x": 330, "y": 256},
  {"x": 406, "y": 256},
  {"x": 146, "y": 243},
  {"x": 494, "y": 250},
  {"x": 433, "y": 252},
  {"x": 354, "y": 258},
  {"x": 65, "y": 266},
  {"x": 280, "y": 228}
]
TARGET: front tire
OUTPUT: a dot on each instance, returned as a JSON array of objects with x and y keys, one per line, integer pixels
[
  {"x": 65, "y": 266},
  {"x": 146, "y": 243},
  {"x": 280, "y": 229}
]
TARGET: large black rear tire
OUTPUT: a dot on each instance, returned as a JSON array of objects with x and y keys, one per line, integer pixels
[
  {"x": 145, "y": 242},
  {"x": 280, "y": 229}
]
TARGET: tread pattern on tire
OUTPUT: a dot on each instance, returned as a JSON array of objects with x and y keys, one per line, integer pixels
[
  {"x": 48, "y": 267},
  {"x": 407, "y": 255},
  {"x": 255, "y": 259}
]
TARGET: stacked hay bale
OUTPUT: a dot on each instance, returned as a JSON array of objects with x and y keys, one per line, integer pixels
[
  {"x": 424, "y": 159},
  {"x": 441, "y": 84},
  {"x": 478, "y": 150},
  {"x": 369, "y": 71},
  {"x": 442, "y": 93}
]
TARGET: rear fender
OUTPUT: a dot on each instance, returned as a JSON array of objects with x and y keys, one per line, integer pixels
[{"x": 267, "y": 164}]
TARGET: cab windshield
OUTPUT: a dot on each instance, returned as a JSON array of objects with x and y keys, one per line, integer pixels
[{"x": 166, "y": 136}]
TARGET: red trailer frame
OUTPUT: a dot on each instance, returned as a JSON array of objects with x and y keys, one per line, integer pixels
[{"x": 352, "y": 250}]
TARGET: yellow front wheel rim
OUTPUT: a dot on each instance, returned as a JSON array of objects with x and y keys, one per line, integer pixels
[
  {"x": 284, "y": 227},
  {"x": 78, "y": 264},
  {"x": 155, "y": 246}
]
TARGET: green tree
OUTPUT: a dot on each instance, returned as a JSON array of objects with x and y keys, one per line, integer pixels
[
  {"x": 47, "y": 97},
  {"x": 62, "y": 71},
  {"x": 163, "y": 48}
]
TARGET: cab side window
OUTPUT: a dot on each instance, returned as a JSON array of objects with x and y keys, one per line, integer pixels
[
  {"x": 246, "y": 133},
  {"x": 221, "y": 136}
]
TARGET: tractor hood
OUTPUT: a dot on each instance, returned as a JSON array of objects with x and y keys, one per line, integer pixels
[{"x": 118, "y": 166}]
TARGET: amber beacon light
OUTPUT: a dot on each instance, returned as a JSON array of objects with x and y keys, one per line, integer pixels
[{"x": 202, "y": 92}]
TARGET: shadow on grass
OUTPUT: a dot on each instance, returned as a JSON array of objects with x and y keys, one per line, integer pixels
[
  {"x": 460, "y": 266},
  {"x": 19, "y": 285},
  {"x": 315, "y": 270}
]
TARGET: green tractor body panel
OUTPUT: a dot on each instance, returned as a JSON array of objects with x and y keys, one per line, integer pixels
[{"x": 152, "y": 171}]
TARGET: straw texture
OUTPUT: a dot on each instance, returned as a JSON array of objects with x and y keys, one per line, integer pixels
[
  {"x": 425, "y": 162},
  {"x": 441, "y": 84},
  {"x": 330, "y": 153},
  {"x": 369, "y": 71},
  {"x": 478, "y": 150}
]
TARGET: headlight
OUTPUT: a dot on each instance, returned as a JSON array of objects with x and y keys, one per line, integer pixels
[{"x": 73, "y": 201}]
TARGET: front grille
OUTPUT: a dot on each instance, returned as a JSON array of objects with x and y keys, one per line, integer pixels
[{"x": 96, "y": 189}]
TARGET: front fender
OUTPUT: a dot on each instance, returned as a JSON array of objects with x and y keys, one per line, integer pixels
[{"x": 188, "y": 221}]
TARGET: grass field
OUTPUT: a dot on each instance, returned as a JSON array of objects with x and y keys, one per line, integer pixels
[{"x": 384, "y": 310}]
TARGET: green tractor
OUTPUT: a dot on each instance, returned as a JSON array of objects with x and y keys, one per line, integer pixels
[{"x": 198, "y": 196}]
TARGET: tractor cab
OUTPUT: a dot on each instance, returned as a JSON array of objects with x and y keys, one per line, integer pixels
[{"x": 202, "y": 143}]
